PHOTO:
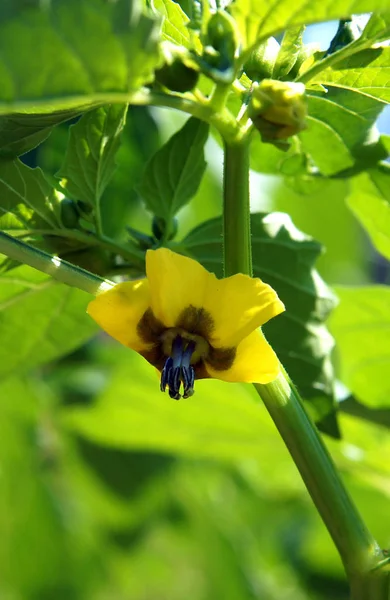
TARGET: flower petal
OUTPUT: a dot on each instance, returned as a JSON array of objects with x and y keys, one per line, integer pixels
[
  {"x": 238, "y": 305},
  {"x": 176, "y": 282},
  {"x": 255, "y": 362},
  {"x": 119, "y": 310}
]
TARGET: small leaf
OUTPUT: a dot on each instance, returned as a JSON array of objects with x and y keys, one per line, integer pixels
[
  {"x": 289, "y": 51},
  {"x": 284, "y": 258},
  {"x": 361, "y": 327},
  {"x": 377, "y": 28},
  {"x": 369, "y": 200},
  {"x": 175, "y": 22},
  {"x": 39, "y": 320},
  {"x": 26, "y": 199},
  {"x": 339, "y": 124},
  {"x": 173, "y": 174},
  {"x": 90, "y": 157}
]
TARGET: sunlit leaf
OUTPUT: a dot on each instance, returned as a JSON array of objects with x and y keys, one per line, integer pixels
[
  {"x": 360, "y": 325},
  {"x": 64, "y": 53},
  {"x": 369, "y": 200},
  {"x": 259, "y": 20},
  {"x": 175, "y": 22},
  {"x": 366, "y": 72},
  {"x": 288, "y": 53}
]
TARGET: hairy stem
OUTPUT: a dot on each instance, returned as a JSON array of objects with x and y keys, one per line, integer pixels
[
  {"x": 59, "y": 269},
  {"x": 236, "y": 213}
]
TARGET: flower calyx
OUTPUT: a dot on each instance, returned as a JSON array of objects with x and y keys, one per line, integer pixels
[{"x": 278, "y": 110}]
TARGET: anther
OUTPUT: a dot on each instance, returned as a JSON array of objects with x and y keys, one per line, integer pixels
[{"x": 177, "y": 370}]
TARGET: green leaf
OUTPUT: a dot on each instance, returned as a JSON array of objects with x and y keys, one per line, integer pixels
[
  {"x": 27, "y": 200},
  {"x": 369, "y": 200},
  {"x": 39, "y": 320},
  {"x": 175, "y": 22},
  {"x": 339, "y": 126},
  {"x": 366, "y": 72},
  {"x": 284, "y": 257},
  {"x": 361, "y": 327},
  {"x": 90, "y": 156},
  {"x": 64, "y": 54},
  {"x": 289, "y": 51},
  {"x": 377, "y": 28},
  {"x": 174, "y": 173},
  {"x": 259, "y": 20},
  {"x": 20, "y": 133},
  {"x": 29, "y": 496}
]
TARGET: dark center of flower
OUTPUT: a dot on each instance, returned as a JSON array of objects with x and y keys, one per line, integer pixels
[
  {"x": 178, "y": 370},
  {"x": 183, "y": 352}
]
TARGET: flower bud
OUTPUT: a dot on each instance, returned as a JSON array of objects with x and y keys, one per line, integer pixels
[
  {"x": 69, "y": 213},
  {"x": 178, "y": 72},
  {"x": 278, "y": 109},
  {"x": 260, "y": 64},
  {"x": 221, "y": 43}
]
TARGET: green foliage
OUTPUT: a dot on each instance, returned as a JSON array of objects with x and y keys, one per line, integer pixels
[
  {"x": 369, "y": 200},
  {"x": 71, "y": 51},
  {"x": 284, "y": 258},
  {"x": 27, "y": 200},
  {"x": 360, "y": 325},
  {"x": 256, "y": 21},
  {"x": 289, "y": 51},
  {"x": 90, "y": 157},
  {"x": 365, "y": 72},
  {"x": 39, "y": 320},
  {"x": 173, "y": 174},
  {"x": 109, "y": 489},
  {"x": 339, "y": 126}
]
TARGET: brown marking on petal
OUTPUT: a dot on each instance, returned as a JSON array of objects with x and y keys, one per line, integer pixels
[
  {"x": 155, "y": 357},
  {"x": 196, "y": 320},
  {"x": 201, "y": 371},
  {"x": 221, "y": 359},
  {"x": 149, "y": 328}
]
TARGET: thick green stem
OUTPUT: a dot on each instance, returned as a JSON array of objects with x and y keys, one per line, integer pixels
[
  {"x": 358, "y": 549},
  {"x": 57, "y": 268},
  {"x": 236, "y": 213}
]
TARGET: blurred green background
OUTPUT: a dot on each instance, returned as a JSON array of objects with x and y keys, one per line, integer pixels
[{"x": 101, "y": 502}]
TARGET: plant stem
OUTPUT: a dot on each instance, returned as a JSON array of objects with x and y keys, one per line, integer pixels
[
  {"x": 57, "y": 268},
  {"x": 359, "y": 551},
  {"x": 236, "y": 213}
]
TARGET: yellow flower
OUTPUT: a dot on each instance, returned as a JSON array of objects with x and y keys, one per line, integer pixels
[{"x": 191, "y": 325}]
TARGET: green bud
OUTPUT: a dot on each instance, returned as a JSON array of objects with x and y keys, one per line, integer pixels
[
  {"x": 261, "y": 62},
  {"x": 278, "y": 109},
  {"x": 69, "y": 213},
  {"x": 178, "y": 73},
  {"x": 221, "y": 43}
]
